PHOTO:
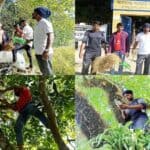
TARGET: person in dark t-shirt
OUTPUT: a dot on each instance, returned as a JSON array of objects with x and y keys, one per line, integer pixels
[
  {"x": 92, "y": 44},
  {"x": 135, "y": 111}
]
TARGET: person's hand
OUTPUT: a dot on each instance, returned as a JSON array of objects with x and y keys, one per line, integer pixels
[
  {"x": 124, "y": 106},
  {"x": 45, "y": 55},
  {"x": 81, "y": 55}
]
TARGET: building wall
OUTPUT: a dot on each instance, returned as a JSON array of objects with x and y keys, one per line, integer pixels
[{"x": 129, "y": 8}]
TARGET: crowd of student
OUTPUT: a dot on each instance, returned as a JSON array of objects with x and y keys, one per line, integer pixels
[{"x": 119, "y": 44}]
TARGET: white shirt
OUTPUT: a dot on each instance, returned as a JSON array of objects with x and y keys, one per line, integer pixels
[
  {"x": 28, "y": 34},
  {"x": 40, "y": 35},
  {"x": 144, "y": 43}
]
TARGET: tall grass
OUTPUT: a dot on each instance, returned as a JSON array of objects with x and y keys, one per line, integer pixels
[{"x": 62, "y": 61}]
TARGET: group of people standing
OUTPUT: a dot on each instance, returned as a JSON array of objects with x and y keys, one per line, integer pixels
[
  {"x": 40, "y": 38},
  {"x": 119, "y": 44}
]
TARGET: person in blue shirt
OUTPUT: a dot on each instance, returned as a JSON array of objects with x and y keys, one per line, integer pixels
[{"x": 135, "y": 111}]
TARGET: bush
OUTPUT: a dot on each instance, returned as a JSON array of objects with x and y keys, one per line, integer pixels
[
  {"x": 122, "y": 138},
  {"x": 63, "y": 60}
]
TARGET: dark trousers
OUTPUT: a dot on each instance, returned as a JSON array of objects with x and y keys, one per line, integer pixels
[
  {"x": 29, "y": 110},
  {"x": 27, "y": 48},
  {"x": 143, "y": 59},
  {"x": 44, "y": 65},
  {"x": 88, "y": 58},
  {"x": 139, "y": 123}
]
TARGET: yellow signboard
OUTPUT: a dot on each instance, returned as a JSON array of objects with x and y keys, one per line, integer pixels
[{"x": 132, "y": 5}]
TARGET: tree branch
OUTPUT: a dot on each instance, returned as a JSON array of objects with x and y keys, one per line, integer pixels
[{"x": 51, "y": 115}]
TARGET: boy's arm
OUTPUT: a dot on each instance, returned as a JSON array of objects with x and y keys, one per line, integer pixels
[{"x": 137, "y": 107}]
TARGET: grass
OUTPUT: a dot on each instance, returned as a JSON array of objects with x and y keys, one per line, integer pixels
[
  {"x": 62, "y": 62},
  {"x": 98, "y": 99}
]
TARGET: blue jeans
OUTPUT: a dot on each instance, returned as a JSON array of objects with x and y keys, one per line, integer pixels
[
  {"x": 122, "y": 57},
  {"x": 44, "y": 65},
  {"x": 139, "y": 123},
  {"x": 24, "y": 115}
]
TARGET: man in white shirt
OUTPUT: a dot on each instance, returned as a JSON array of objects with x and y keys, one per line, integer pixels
[
  {"x": 143, "y": 41},
  {"x": 28, "y": 36},
  {"x": 43, "y": 39}
]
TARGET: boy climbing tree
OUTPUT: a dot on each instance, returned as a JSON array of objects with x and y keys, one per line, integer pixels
[{"x": 26, "y": 108}]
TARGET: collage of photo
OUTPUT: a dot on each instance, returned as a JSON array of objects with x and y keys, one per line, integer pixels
[{"x": 74, "y": 75}]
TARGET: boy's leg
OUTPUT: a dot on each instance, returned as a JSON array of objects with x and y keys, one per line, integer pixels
[
  {"x": 38, "y": 114},
  {"x": 28, "y": 51},
  {"x": 86, "y": 63},
  {"x": 21, "y": 120},
  {"x": 93, "y": 59},
  {"x": 122, "y": 57},
  {"x": 147, "y": 65},
  {"x": 112, "y": 71},
  {"x": 139, "y": 64},
  {"x": 44, "y": 65},
  {"x": 140, "y": 123}
]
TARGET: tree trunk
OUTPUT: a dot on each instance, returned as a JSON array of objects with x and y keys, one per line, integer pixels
[
  {"x": 113, "y": 91},
  {"x": 4, "y": 142},
  {"x": 87, "y": 118},
  {"x": 51, "y": 115}
]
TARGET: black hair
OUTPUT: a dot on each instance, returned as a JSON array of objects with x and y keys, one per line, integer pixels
[
  {"x": 128, "y": 92},
  {"x": 96, "y": 22},
  {"x": 15, "y": 25},
  {"x": 23, "y": 20},
  {"x": 119, "y": 24}
]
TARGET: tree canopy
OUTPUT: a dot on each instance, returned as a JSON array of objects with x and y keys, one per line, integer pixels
[
  {"x": 59, "y": 92},
  {"x": 62, "y": 16}
]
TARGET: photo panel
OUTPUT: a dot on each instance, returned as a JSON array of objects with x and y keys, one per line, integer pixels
[
  {"x": 112, "y": 37},
  {"x": 36, "y": 37},
  {"x": 37, "y": 113},
  {"x": 112, "y": 112}
]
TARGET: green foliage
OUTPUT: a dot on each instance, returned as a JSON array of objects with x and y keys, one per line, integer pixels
[
  {"x": 122, "y": 138},
  {"x": 63, "y": 61},
  {"x": 139, "y": 84},
  {"x": 62, "y": 99},
  {"x": 99, "y": 100},
  {"x": 61, "y": 18},
  {"x": 9, "y": 16}
]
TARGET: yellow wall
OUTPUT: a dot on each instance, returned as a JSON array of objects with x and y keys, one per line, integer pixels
[{"x": 129, "y": 8}]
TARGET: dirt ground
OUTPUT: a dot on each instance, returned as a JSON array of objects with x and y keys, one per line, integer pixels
[{"x": 131, "y": 60}]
